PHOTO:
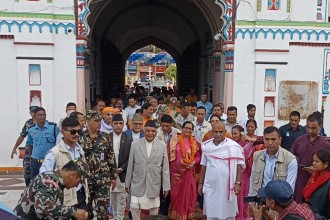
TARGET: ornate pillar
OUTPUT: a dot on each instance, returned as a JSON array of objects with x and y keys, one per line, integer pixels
[
  {"x": 228, "y": 45},
  {"x": 229, "y": 78},
  {"x": 217, "y": 77},
  {"x": 82, "y": 31}
]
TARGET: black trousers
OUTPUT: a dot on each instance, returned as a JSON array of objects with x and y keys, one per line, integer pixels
[
  {"x": 81, "y": 197},
  {"x": 164, "y": 203}
]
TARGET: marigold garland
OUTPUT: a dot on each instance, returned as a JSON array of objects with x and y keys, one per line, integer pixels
[{"x": 193, "y": 150}]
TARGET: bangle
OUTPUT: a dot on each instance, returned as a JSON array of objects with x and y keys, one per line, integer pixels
[
  {"x": 200, "y": 182},
  {"x": 238, "y": 183}
]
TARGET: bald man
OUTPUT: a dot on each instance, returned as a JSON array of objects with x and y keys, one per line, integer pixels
[{"x": 222, "y": 162}]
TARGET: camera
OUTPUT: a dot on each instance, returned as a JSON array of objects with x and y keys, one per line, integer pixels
[{"x": 255, "y": 199}]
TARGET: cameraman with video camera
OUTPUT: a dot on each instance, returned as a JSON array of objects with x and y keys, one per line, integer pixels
[{"x": 278, "y": 195}]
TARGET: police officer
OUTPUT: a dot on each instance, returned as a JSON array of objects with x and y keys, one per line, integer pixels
[
  {"x": 43, "y": 198},
  {"x": 100, "y": 157},
  {"x": 41, "y": 138},
  {"x": 26, "y": 161}
]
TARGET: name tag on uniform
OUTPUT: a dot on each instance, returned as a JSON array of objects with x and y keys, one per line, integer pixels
[
  {"x": 287, "y": 134},
  {"x": 102, "y": 156}
]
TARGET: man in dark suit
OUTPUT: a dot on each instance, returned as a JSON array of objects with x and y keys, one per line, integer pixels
[{"x": 121, "y": 146}]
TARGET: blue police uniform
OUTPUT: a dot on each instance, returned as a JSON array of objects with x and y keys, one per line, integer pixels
[{"x": 42, "y": 140}]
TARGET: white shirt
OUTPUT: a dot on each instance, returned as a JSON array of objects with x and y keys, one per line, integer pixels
[
  {"x": 135, "y": 135},
  {"x": 149, "y": 147},
  {"x": 131, "y": 111},
  {"x": 116, "y": 145}
]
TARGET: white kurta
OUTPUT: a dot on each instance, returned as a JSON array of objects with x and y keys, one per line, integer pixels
[{"x": 216, "y": 186}]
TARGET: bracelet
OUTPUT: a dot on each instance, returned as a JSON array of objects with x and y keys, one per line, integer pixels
[{"x": 238, "y": 183}]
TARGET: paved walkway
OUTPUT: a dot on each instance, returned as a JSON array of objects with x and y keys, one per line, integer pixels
[{"x": 12, "y": 186}]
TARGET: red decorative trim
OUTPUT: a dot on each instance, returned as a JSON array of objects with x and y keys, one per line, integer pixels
[
  {"x": 82, "y": 38},
  {"x": 271, "y": 50},
  {"x": 34, "y": 43},
  {"x": 306, "y": 44},
  {"x": 7, "y": 37},
  {"x": 228, "y": 42}
]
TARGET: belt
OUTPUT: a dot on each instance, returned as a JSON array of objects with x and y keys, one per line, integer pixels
[{"x": 38, "y": 160}]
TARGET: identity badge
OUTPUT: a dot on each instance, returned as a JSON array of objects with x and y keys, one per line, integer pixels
[
  {"x": 102, "y": 156},
  {"x": 287, "y": 134}
]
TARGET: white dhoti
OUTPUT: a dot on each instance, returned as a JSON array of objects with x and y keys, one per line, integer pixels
[
  {"x": 138, "y": 203},
  {"x": 220, "y": 201}
]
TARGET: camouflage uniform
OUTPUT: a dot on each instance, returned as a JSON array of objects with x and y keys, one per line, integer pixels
[
  {"x": 26, "y": 161},
  {"x": 100, "y": 157},
  {"x": 162, "y": 109},
  {"x": 43, "y": 199}
]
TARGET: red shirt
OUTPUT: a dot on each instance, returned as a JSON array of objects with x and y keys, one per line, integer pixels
[{"x": 301, "y": 210}]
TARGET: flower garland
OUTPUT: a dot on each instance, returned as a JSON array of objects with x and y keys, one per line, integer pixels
[{"x": 193, "y": 150}]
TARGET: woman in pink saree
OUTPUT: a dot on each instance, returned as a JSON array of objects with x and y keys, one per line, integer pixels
[
  {"x": 250, "y": 144},
  {"x": 184, "y": 155}
]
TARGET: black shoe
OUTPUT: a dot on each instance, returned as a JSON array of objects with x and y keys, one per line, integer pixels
[{"x": 130, "y": 215}]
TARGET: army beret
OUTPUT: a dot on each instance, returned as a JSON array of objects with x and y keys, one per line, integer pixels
[{"x": 93, "y": 114}]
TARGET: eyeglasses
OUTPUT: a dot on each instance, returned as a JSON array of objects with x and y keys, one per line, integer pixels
[
  {"x": 218, "y": 132},
  {"x": 73, "y": 132},
  {"x": 137, "y": 123}
]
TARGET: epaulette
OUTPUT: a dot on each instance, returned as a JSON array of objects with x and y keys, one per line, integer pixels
[
  {"x": 52, "y": 123},
  {"x": 32, "y": 126}
]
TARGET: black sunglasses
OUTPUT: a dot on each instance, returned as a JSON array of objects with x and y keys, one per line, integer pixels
[{"x": 73, "y": 132}]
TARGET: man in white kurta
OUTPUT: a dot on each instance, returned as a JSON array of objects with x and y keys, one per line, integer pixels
[{"x": 220, "y": 182}]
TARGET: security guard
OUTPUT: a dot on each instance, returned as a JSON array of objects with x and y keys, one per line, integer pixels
[
  {"x": 41, "y": 138},
  {"x": 26, "y": 161},
  {"x": 43, "y": 199},
  {"x": 100, "y": 157}
]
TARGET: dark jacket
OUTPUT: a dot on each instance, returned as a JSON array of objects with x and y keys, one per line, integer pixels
[
  {"x": 124, "y": 149},
  {"x": 129, "y": 133}
]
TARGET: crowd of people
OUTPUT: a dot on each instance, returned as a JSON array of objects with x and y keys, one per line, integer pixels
[{"x": 168, "y": 154}]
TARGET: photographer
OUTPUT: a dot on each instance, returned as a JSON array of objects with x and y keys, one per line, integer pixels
[{"x": 279, "y": 198}]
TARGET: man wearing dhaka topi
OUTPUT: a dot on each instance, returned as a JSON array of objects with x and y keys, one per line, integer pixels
[{"x": 222, "y": 163}]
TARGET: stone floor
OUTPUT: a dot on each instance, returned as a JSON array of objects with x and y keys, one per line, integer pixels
[{"x": 12, "y": 186}]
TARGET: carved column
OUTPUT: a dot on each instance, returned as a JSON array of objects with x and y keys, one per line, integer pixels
[{"x": 82, "y": 31}]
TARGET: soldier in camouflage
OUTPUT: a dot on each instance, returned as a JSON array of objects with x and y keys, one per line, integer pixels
[
  {"x": 26, "y": 161},
  {"x": 43, "y": 199},
  {"x": 100, "y": 157},
  {"x": 161, "y": 110}
]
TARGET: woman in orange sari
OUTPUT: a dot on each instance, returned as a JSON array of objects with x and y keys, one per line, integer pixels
[
  {"x": 317, "y": 190},
  {"x": 184, "y": 154}
]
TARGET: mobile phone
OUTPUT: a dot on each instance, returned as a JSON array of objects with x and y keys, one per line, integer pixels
[{"x": 302, "y": 165}]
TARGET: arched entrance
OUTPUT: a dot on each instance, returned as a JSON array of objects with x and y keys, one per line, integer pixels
[{"x": 184, "y": 28}]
